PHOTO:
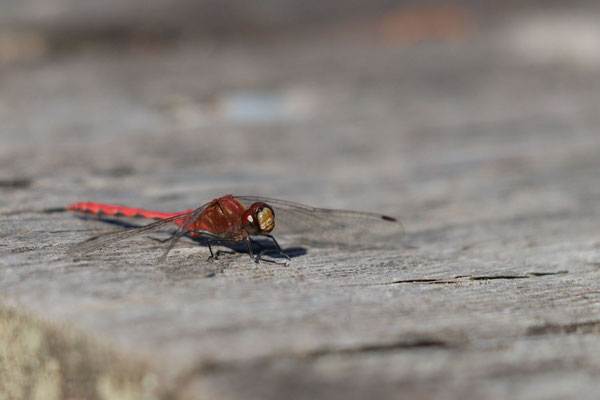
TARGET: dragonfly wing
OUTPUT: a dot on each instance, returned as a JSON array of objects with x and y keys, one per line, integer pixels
[
  {"x": 186, "y": 224},
  {"x": 324, "y": 226},
  {"x": 185, "y": 221}
]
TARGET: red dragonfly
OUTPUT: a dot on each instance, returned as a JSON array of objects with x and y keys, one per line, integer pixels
[{"x": 229, "y": 219}]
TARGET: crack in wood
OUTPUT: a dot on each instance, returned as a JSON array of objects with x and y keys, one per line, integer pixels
[
  {"x": 378, "y": 347},
  {"x": 524, "y": 276},
  {"x": 559, "y": 329},
  {"x": 462, "y": 278},
  {"x": 34, "y": 211},
  {"x": 418, "y": 281},
  {"x": 52, "y": 210},
  {"x": 494, "y": 277},
  {"x": 423, "y": 281},
  {"x": 17, "y": 183}
]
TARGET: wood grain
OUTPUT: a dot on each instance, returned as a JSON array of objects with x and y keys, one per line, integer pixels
[{"x": 489, "y": 160}]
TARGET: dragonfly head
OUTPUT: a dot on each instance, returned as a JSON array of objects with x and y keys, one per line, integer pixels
[{"x": 259, "y": 219}]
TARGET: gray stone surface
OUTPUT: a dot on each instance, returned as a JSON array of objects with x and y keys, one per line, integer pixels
[{"x": 485, "y": 147}]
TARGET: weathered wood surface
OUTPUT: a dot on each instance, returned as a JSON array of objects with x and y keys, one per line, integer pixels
[{"x": 486, "y": 148}]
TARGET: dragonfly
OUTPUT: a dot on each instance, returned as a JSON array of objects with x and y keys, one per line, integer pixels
[{"x": 237, "y": 219}]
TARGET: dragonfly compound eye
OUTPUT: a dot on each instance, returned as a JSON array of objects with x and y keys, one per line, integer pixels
[{"x": 266, "y": 219}]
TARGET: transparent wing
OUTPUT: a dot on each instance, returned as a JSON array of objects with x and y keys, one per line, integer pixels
[
  {"x": 185, "y": 221},
  {"x": 325, "y": 227}
]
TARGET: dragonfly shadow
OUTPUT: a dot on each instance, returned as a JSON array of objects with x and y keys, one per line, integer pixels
[{"x": 259, "y": 245}]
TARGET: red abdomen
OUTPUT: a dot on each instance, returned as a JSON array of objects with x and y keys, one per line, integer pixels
[{"x": 109, "y": 210}]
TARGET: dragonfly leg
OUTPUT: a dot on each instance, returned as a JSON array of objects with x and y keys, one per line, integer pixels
[
  {"x": 257, "y": 244},
  {"x": 212, "y": 255},
  {"x": 213, "y": 240},
  {"x": 278, "y": 247},
  {"x": 256, "y": 258},
  {"x": 210, "y": 240}
]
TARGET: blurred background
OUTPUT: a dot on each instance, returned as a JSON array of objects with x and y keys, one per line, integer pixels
[
  {"x": 408, "y": 106},
  {"x": 473, "y": 122}
]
